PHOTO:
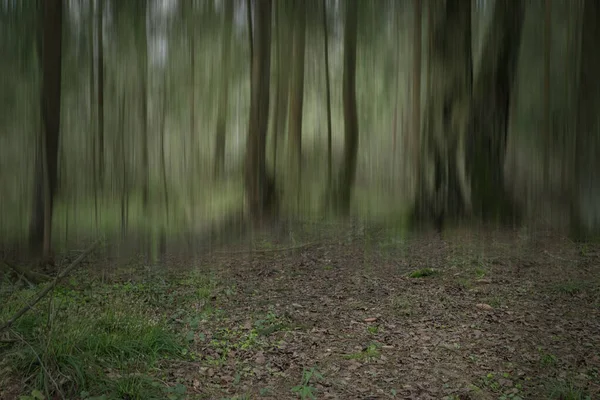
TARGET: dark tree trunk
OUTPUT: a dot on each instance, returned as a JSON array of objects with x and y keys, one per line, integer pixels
[
  {"x": 259, "y": 187},
  {"x": 348, "y": 172},
  {"x": 280, "y": 111},
  {"x": 143, "y": 67},
  {"x": 489, "y": 113},
  {"x": 443, "y": 189},
  {"x": 328, "y": 93},
  {"x": 100, "y": 69},
  {"x": 46, "y": 172},
  {"x": 584, "y": 214},
  {"x": 297, "y": 95},
  {"x": 219, "y": 161}
]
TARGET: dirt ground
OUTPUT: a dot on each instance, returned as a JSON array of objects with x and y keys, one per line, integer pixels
[
  {"x": 365, "y": 314},
  {"x": 501, "y": 315}
]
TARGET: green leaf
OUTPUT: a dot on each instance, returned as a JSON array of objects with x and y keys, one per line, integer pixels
[{"x": 36, "y": 394}]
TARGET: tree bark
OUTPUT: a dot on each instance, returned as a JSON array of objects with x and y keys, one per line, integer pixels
[
  {"x": 280, "y": 111},
  {"x": 46, "y": 173},
  {"x": 489, "y": 113},
  {"x": 297, "y": 96},
  {"x": 259, "y": 187},
  {"x": 100, "y": 104},
  {"x": 328, "y": 94},
  {"x": 415, "y": 135},
  {"x": 584, "y": 214},
  {"x": 143, "y": 66},
  {"x": 348, "y": 172},
  {"x": 443, "y": 186},
  {"x": 219, "y": 161}
]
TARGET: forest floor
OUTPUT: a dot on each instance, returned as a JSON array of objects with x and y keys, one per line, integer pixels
[{"x": 478, "y": 314}]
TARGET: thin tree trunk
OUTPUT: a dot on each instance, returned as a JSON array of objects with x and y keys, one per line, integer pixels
[
  {"x": 416, "y": 82},
  {"x": 280, "y": 111},
  {"x": 547, "y": 127},
  {"x": 219, "y": 165},
  {"x": 193, "y": 136},
  {"x": 328, "y": 93},
  {"x": 99, "y": 27},
  {"x": 143, "y": 60},
  {"x": 125, "y": 181},
  {"x": 259, "y": 187},
  {"x": 92, "y": 84},
  {"x": 489, "y": 112},
  {"x": 162, "y": 145},
  {"x": 297, "y": 97},
  {"x": 46, "y": 180},
  {"x": 348, "y": 172},
  {"x": 250, "y": 31}
]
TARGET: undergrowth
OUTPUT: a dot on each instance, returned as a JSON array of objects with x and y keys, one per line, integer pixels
[{"x": 99, "y": 344}]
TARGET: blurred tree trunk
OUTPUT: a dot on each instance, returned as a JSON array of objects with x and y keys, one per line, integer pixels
[
  {"x": 547, "y": 126},
  {"x": 328, "y": 94},
  {"x": 297, "y": 96},
  {"x": 46, "y": 167},
  {"x": 489, "y": 112},
  {"x": 443, "y": 189},
  {"x": 224, "y": 91},
  {"x": 192, "y": 42},
  {"x": 163, "y": 162},
  {"x": 124, "y": 173},
  {"x": 92, "y": 97},
  {"x": 284, "y": 25},
  {"x": 100, "y": 68},
  {"x": 415, "y": 134},
  {"x": 348, "y": 172},
  {"x": 584, "y": 207},
  {"x": 142, "y": 37},
  {"x": 259, "y": 186}
]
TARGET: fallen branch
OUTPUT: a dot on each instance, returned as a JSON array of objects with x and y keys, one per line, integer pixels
[
  {"x": 51, "y": 286},
  {"x": 31, "y": 277}
]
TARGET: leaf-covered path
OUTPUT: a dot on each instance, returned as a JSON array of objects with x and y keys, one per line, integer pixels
[{"x": 501, "y": 317}]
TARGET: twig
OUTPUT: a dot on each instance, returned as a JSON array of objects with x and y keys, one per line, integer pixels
[
  {"x": 41, "y": 362},
  {"x": 300, "y": 246},
  {"x": 51, "y": 286}
]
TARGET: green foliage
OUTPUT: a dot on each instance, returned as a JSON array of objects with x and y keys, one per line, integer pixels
[
  {"x": 369, "y": 353},
  {"x": 305, "y": 390},
  {"x": 567, "y": 391},
  {"x": 92, "y": 343},
  {"x": 423, "y": 273}
]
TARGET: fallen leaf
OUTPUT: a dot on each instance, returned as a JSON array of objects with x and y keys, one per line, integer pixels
[
  {"x": 373, "y": 319},
  {"x": 484, "y": 306},
  {"x": 260, "y": 358}
]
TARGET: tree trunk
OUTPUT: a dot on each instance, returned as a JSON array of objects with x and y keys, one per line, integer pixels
[
  {"x": 415, "y": 134},
  {"x": 124, "y": 173},
  {"x": 219, "y": 161},
  {"x": 46, "y": 173},
  {"x": 328, "y": 94},
  {"x": 259, "y": 187},
  {"x": 100, "y": 89},
  {"x": 489, "y": 112},
  {"x": 280, "y": 111},
  {"x": 443, "y": 188},
  {"x": 584, "y": 208},
  {"x": 348, "y": 172},
  {"x": 143, "y": 66},
  {"x": 92, "y": 85},
  {"x": 163, "y": 133},
  {"x": 297, "y": 96}
]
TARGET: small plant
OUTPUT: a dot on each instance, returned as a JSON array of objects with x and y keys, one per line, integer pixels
[
  {"x": 305, "y": 390},
  {"x": 547, "y": 359},
  {"x": 567, "y": 391},
  {"x": 373, "y": 329},
  {"x": 423, "y": 273},
  {"x": 369, "y": 353},
  {"x": 570, "y": 288}
]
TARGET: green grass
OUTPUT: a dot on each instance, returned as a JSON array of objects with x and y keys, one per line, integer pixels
[
  {"x": 423, "y": 273},
  {"x": 103, "y": 341},
  {"x": 567, "y": 391},
  {"x": 370, "y": 353}
]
